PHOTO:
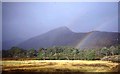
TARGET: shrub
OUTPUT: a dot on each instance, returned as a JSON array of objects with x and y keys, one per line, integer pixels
[{"x": 115, "y": 58}]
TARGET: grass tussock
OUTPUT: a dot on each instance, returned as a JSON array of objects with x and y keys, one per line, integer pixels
[{"x": 60, "y": 66}]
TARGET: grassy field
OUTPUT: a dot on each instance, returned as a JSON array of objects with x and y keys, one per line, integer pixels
[{"x": 59, "y": 65}]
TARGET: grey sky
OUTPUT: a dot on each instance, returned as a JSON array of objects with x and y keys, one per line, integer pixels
[{"x": 29, "y": 19}]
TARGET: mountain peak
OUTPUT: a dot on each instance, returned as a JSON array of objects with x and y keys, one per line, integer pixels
[
  {"x": 63, "y": 36},
  {"x": 63, "y": 28},
  {"x": 94, "y": 31}
]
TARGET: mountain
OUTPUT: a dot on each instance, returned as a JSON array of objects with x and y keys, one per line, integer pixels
[
  {"x": 63, "y": 36},
  {"x": 6, "y": 44},
  {"x": 97, "y": 39}
]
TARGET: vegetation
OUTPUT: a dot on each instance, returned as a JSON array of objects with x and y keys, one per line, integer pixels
[
  {"x": 61, "y": 59},
  {"x": 59, "y": 66},
  {"x": 61, "y": 53}
]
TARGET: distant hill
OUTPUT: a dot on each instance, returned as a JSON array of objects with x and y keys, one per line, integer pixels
[
  {"x": 9, "y": 43},
  {"x": 63, "y": 36}
]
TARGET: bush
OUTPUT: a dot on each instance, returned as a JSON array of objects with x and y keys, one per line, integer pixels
[{"x": 115, "y": 58}]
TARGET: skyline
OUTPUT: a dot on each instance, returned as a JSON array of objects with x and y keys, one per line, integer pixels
[
  {"x": 23, "y": 20},
  {"x": 32, "y": 19}
]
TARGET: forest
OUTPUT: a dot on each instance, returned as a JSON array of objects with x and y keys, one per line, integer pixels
[{"x": 61, "y": 53}]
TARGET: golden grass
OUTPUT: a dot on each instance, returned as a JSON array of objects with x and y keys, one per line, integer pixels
[{"x": 59, "y": 65}]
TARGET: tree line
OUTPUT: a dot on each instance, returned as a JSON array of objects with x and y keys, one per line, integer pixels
[{"x": 61, "y": 53}]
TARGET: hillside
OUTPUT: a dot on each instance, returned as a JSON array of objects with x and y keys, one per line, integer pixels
[{"x": 63, "y": 36}]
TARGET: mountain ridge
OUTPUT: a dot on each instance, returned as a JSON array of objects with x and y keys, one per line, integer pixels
[{"x": 63, "y": 36}]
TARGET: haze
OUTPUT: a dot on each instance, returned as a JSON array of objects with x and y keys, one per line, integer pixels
[{"x": 23, "y": 20}]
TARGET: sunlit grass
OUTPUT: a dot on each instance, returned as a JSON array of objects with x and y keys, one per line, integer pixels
[{"x": 59, "y": 65}]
